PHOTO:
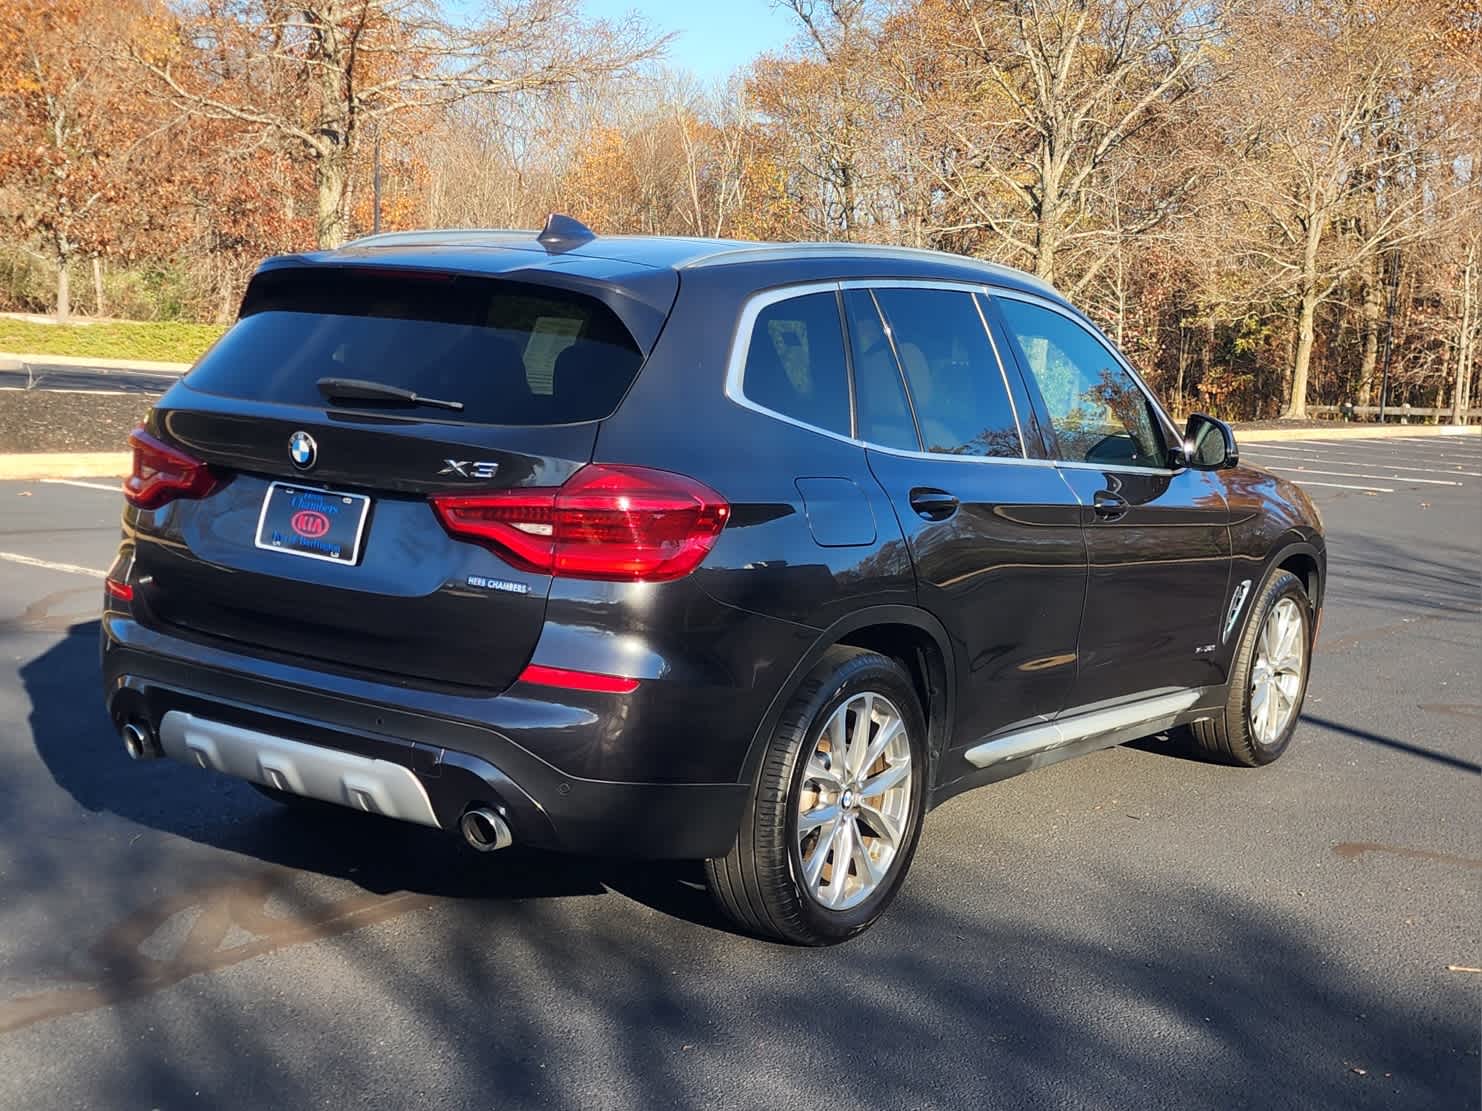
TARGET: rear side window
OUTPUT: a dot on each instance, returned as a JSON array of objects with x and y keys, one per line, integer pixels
[
  {"x": 795, "y": 362},
  {"x": 512, "y": 353},
  {"x": 962, "y": 406}
]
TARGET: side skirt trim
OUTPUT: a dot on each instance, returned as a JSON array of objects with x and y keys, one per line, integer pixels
[{"x": 1110, "y": 726}]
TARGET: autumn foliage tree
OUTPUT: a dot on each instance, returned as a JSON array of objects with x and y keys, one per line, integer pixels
[
  {"x": 315, "y": 75},
  {"x": 1268, "y": 204},
  {"x": 72, "y": 174}
]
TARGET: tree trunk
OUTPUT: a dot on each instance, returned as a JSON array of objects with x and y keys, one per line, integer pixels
[
  {"x": 1301, "y": 363},
  {"x": 1371, "y": 309},
  {"x": 1306, "y": 322},
  {"x": 1045, "y": 236},
  {"x": 64, "y": 291},
  {"x": 226, "y": 305},
  {"x": 99, "y": 307},
  {"x": 330, "y": 176},
  {"x": 1461, "y": 398}
]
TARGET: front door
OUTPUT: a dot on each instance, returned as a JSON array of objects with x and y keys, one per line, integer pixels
[{"x": 1158, "y": 539}]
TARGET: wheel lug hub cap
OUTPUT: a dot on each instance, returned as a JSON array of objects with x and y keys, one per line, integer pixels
[{"x": 848, "y": 800}]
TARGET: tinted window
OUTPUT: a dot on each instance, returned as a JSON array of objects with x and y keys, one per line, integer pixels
[
  {"x": 1096, "y": 408},
  {"x": 795, "y": 364},
  {"x": 513, "y": 353},
  {"x": 962, "y": 407},
  {"x": 881, "y": 409}
]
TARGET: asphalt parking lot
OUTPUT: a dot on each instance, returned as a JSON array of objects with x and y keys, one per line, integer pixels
[{"x": 1134, "y": 929}]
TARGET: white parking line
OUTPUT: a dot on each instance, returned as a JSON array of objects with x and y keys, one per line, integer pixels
[
  {"x": 1356, "y": 474},
  {"x": 1345, "y": 486},
  {"x": 1439, "y": 447},
  {"x": 1432, "y": 449},
  {"x": 112, "y": 489},
  {"x": 1449, "y": 449},
  {"x": 1349, "y": 462},
  {"x": 1365, "y": 453},
  {"x": 69, "y": 568},
  {"x": 1366, "y": 447},
  {"x": 1456, "y": 442}
]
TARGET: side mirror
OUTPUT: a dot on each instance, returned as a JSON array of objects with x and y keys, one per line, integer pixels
[{"x": 1209, "y": 444}]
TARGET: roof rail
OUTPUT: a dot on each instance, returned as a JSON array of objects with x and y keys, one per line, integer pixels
[
  {"x": 436, "y": 236},
  {"x": 562, "y": 233}
]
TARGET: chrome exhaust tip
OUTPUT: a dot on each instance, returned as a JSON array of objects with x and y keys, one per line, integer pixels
[
  {"x": 139, "y": 743},
  {"x": 485, "y": 830}
]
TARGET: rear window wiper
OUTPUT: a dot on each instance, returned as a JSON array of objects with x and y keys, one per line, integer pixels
[{"x": 358, "y": 389}]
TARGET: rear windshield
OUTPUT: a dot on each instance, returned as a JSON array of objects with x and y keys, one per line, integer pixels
[{"x": 511, "y": 352}]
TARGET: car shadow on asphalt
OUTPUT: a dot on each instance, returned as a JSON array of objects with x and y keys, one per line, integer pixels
[
  {"x": 75, "y": 741},
  {"x": 980, "y": 988}
]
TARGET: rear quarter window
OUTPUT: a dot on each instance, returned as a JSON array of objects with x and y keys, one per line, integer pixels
[
  {"x": 513, "y": 353},
  {"x": 795, "y": 362}
]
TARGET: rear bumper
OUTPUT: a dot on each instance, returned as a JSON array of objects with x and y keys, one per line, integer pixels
[{"x": 456, "y": 764}]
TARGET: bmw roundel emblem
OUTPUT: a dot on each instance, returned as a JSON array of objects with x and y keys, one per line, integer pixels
[{"x": 302, "y": 450}]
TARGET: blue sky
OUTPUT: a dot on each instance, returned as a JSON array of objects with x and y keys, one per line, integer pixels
[{"x": 715, "y": 36}]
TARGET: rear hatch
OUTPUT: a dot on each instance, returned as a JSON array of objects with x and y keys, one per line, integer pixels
[{"x": 309, "y": 530}]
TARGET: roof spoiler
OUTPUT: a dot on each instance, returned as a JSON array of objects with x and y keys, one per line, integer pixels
[{"x": 562, "y": 233}]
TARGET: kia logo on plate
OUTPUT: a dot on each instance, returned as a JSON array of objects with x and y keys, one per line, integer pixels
[
  {"x": 309, "y": 524},
  {"x": 302, "y": 450}
]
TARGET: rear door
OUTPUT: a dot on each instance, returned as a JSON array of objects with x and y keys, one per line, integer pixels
[
  {"x": 1158, "y": 538},
  {"x": 995, "y": 536},
  {"x": 268, "y": 559}
]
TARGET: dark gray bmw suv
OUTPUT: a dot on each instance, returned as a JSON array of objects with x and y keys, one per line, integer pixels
[{"x": 749, "y": 553}]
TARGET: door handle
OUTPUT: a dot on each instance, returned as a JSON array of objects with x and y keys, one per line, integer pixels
[
  {"x": 1108, "y": 506},
  {"x": 933, "y": 504}
]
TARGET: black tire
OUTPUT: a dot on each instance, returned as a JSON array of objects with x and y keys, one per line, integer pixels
[
  {"x": 1229, "y": 738},
  {"x": 756, "y": 883}
]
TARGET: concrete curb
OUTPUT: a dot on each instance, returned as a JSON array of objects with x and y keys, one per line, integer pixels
[
  {"x": 1354, "y": 432},
  {"x": 12, "y": 361},
  {"x": 29, "y": 466}
]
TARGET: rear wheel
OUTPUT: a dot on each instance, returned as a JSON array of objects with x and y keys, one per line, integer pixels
[
  {"x": 835, "y": 814},
  {"x": 1268, "y": 679}
]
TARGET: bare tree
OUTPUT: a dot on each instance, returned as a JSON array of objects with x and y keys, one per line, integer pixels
[
  {"x": 318, "y": 71},
  {"x": 1045, "y": 97},
  {"x": 1329, "y": 152}
]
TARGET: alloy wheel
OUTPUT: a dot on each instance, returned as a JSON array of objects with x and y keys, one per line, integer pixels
[
  {"x": 854, "y": 802},
  {"x": 1276, "y": 676}
]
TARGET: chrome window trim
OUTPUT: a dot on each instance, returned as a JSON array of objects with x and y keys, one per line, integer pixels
[
  {"x": 752, "y": 307},
  {"x": 1175, "y": 436},
  {"x": 741, "y": 343},
  {"x": 912, "y": 283},
  {"x": 1120, "y": 468}
]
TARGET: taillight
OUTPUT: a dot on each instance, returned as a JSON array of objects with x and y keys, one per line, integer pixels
[
  {"x": 163, "y": 473},
  {"x": 120, "y": 590},
  {"x": 607, "y": 522}
]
